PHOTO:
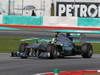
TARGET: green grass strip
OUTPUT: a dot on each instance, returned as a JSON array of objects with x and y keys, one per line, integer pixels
[{"x": 8, "y": 44}]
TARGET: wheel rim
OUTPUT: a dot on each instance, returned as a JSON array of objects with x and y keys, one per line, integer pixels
[
  {"x": 90, "y": 53},
  {"x": 48, "y": 54}
]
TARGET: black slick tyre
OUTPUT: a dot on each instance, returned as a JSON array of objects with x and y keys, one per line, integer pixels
[{"x": 87, "y": 50}]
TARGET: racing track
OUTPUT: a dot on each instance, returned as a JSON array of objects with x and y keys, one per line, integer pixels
[
  {"x": 43, "y": 34},
  {"x": 32, "y": 65}
]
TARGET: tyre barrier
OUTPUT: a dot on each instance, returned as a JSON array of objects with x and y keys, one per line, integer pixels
[{"x": 57, "y": 72}]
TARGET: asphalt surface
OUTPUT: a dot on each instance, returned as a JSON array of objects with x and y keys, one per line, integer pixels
[
  {"x": 44, "y": 34},
  {"x": 16, "y": 66},
  {"x": 26, "y": 33},
  {"x": 32, "y": 65}
]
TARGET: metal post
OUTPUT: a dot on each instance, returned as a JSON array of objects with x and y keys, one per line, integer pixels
[
  {"x": 44, "y": 8},
  {"x": 9, "y": 7},
  {"x": 52, "y": 8},
  {"x": 13, "y": 7},
  {"x": 74, "y": 2},
  {"x": 41, "y": 9},
  {"x": 22, "y": 6}
]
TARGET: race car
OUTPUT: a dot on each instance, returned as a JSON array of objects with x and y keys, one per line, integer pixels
[{"x": 60, "y": 46}]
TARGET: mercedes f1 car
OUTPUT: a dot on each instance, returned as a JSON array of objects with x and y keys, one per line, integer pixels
[{"x": 60, "y": 46}]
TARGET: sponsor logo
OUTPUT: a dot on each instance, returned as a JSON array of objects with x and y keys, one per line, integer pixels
[{"x": 78, "y": 9}]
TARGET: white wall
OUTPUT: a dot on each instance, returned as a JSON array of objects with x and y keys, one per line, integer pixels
[
  {"x": 42, "y": 6},
  {"x": 45, "y": 5},
  {"x": 1, "y": 19},
  {"x": 4, "y": 5}
]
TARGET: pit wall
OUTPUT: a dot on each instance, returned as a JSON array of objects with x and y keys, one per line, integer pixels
[{"x": 50, "y": 21}]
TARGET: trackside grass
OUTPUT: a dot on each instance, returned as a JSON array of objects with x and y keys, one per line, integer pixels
[
  {"x": 9, "y": 43},
  {"x": 96, "y": 48}
]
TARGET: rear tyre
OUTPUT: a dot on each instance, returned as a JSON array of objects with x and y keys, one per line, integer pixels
[{"x": 87, "y": 50}]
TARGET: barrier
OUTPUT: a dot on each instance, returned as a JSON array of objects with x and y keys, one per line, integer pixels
[
  {"x": 50, "y": 21},
  {"x": 53, "y": 23},
  {"x": 23, "y": 20},
  {"x": 89, "y": 22},
  {"x": 60, "y": 21}
]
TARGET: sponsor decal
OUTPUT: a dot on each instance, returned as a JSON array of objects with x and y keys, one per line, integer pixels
[{"x": 78, "y": 9}]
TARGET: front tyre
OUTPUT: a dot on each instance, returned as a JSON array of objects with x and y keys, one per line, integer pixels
[
  {"x": 87, "y": 50},
  {"x": 23, "y": 55},
  {"x": 13, "y": 54},
  {"x": 52, "y": 52}
]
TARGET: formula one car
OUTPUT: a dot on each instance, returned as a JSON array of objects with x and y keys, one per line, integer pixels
[{"x": 60, "y": 46}]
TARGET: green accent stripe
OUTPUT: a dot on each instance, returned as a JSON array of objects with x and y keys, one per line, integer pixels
[
  {"x": 23, "y": 20},
  {"x": 77, "y": 31},
  {"x": 8, "y": 28},
  {"x": 92, "y": 22}
]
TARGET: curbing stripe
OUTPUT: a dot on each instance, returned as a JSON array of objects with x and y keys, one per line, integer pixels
[
  {"x": 98, "y": 70},
  {"x": 42, "y": 73},
  {"x": 50, "y": 27},
  {"x": 87, "y": 71}
]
